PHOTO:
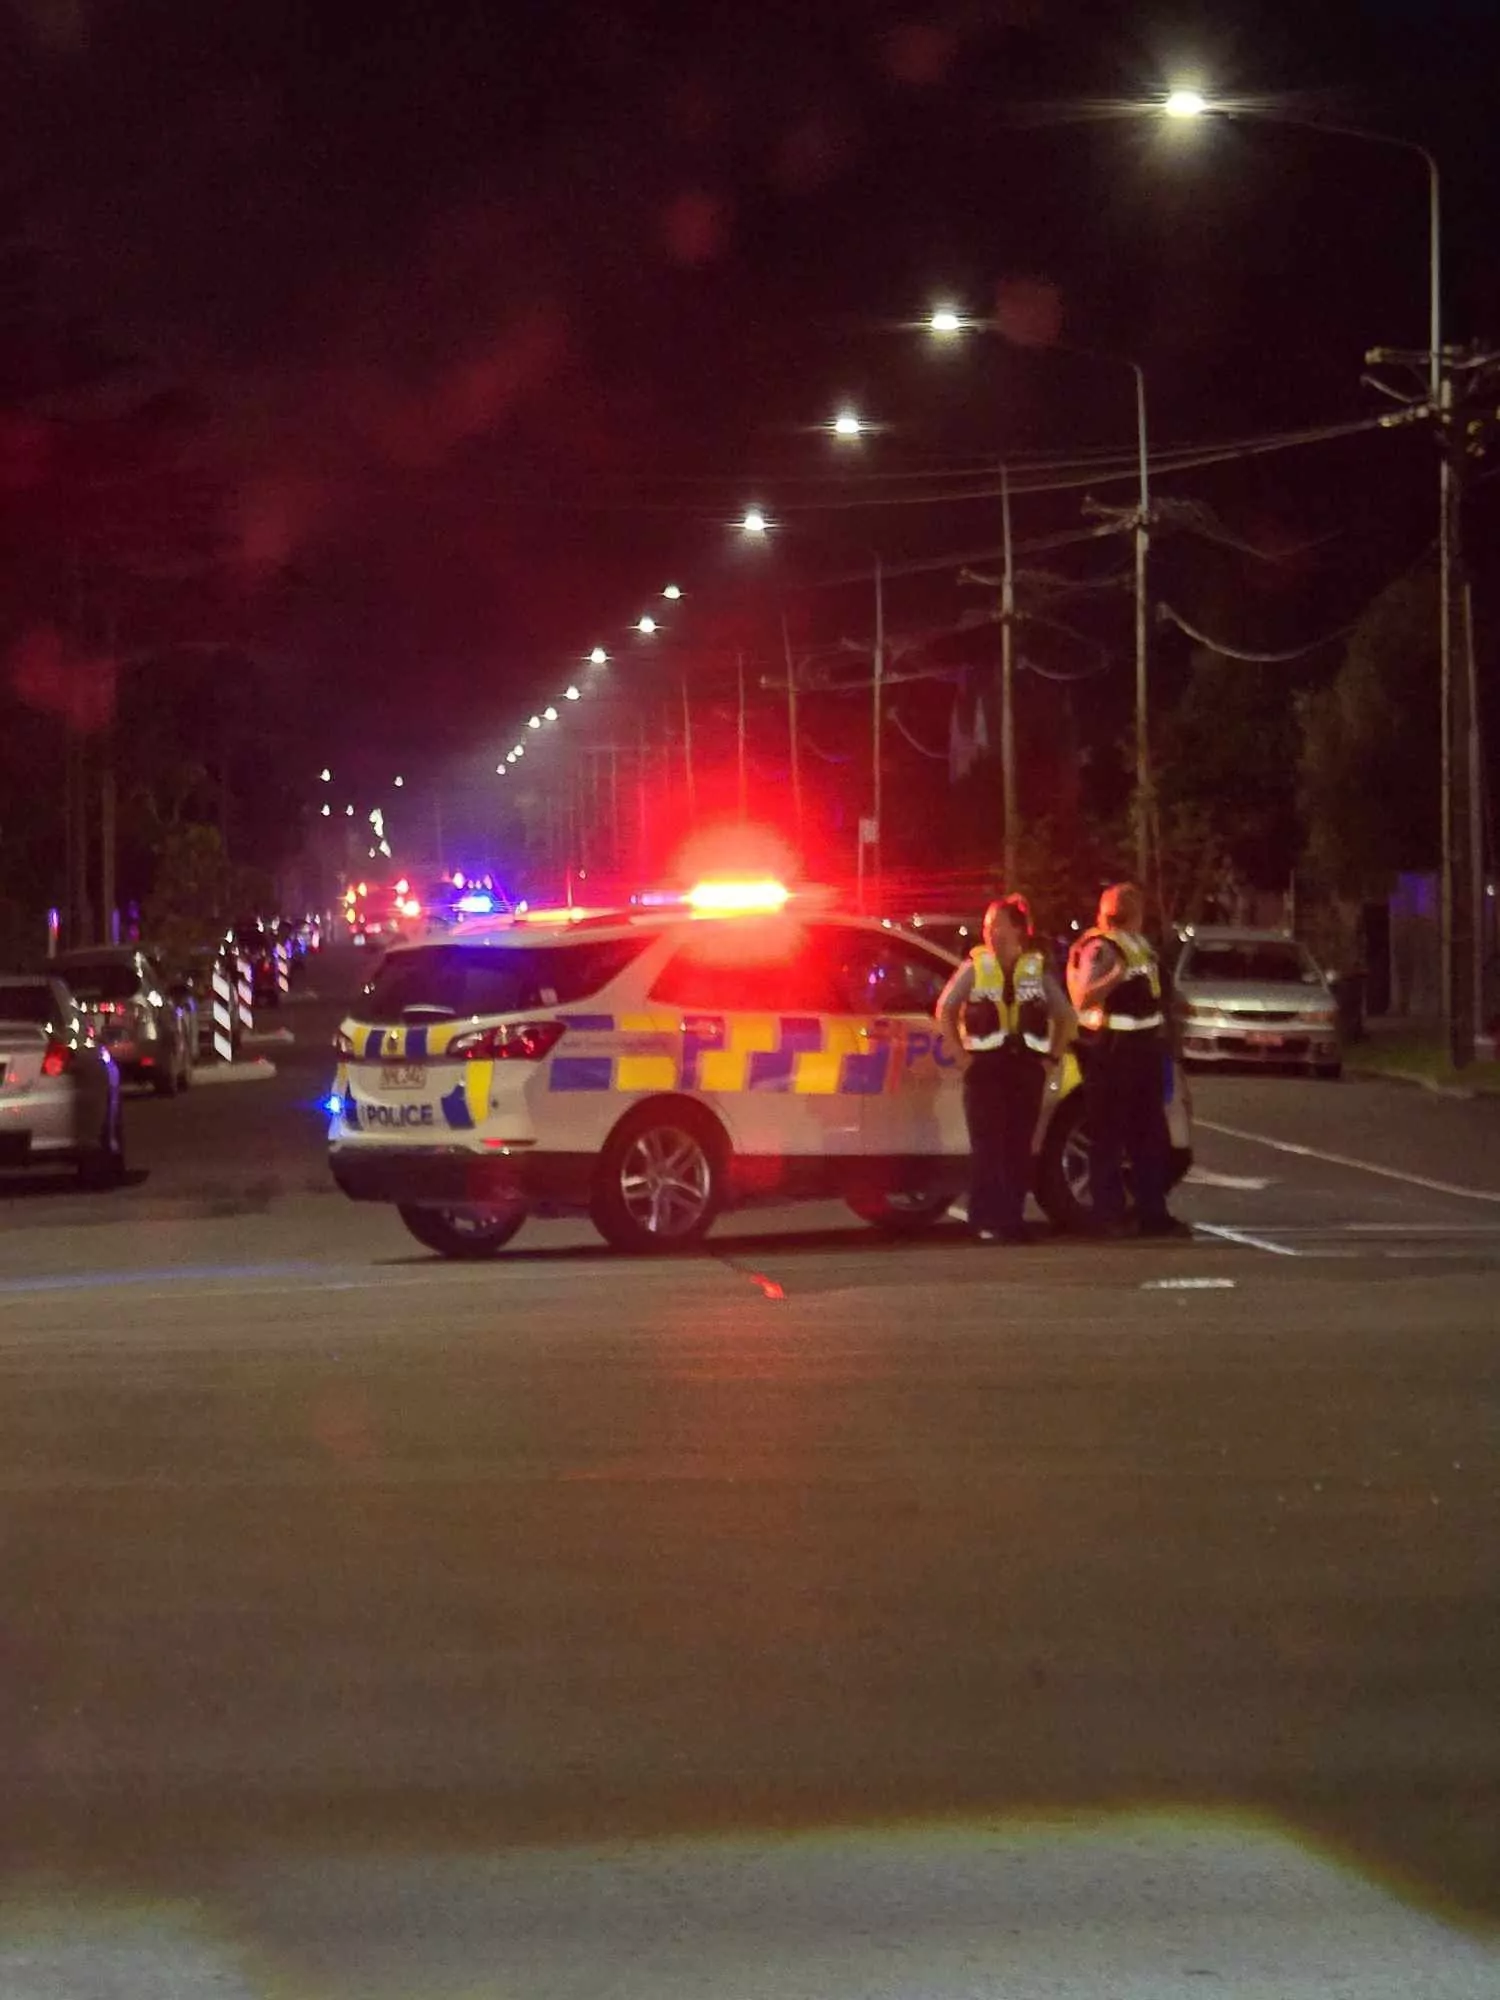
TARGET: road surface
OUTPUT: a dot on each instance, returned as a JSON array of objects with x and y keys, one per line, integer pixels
[{"x": 810, "y": 1616}]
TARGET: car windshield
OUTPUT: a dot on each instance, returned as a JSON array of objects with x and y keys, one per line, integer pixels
[
  {"x": 101, "y": 978},
  {"x": 455, "y": 980},
  {"x": 1249, "y": 962},
  {"x": 27, "y": 1003}
]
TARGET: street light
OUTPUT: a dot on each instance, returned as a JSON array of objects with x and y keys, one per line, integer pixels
[
  {"x": 570, "y": 694},
  {"x": 847, "y": 424},
  {"x": 1461, "y": 967},
  {"x": 549, "y": 715},
  {"x": 646, "y": 624},
  {"x": 754, "y": 522},
  {"x": 326, "y": 775},
  {"x": 598, "y": 657},
  {"x": 672, "y": 592},
  {"x": 945, "y": 320},
  {"x": 399, "y": 783},
  {"x": 534, "y": 722},
  {"x": 326, "y": 811}
]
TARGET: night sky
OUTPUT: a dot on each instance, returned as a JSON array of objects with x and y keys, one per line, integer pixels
[{"x": 494, "y": 317}]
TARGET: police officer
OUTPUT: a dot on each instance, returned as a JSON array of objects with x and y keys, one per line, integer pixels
[
  {"x": 1114, "y": 982},
  {"x": 1011, "y": 1021}
]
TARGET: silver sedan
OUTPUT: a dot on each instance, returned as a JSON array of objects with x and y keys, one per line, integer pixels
[
  {"x": 59, "y": 1089},
  {"x": 1247, "y": 996}
]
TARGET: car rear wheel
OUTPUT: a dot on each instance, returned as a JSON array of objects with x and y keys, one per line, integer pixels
[
  {"x": 903, "y": 1212},
  {"x": 661, "y": 1181},
  {"x": 466, "y": 1234},
  {"x": 1063, "y": 1179}
]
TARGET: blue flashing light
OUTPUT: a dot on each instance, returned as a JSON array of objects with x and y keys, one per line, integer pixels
[
  {"x": 333, "y": 1104},
  {"x": 478, "y": 903}
]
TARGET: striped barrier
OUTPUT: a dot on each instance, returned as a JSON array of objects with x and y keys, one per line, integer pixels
[
  {"x": 244, "y": 985},
  {"x": 223, "y": 1031},
  {"x": 283, "y": 971}
]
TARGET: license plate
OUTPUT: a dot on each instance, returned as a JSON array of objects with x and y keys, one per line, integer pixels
[
  {"x": 403, "y": 1076},
  {"x": 1264, "y": 1041}
]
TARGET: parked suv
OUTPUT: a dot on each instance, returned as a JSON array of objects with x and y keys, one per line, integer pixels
[
  {"x": 1254, "y": 997},
  {"x": 124, "y": 998}
]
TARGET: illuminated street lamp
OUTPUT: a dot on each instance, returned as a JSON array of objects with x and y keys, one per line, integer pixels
[
  {"x": 326, "y": 775},
  {"x": 672, "y": 592},
  {"x": 847, "y": 424},
  {"x": 399, "y": 783},
  {"x": 754, "y": 523},
  {"x": 646, "y": 624},
  {"x": 598, "y": 657},
  {"x": 326, "y": 811},
  {"x": 943, "y": 319},
  {"x": 549, "y": 715},
  {"x": 1185, "y": 104},
  {"x": 501, "y": 771},
  {"x": 534, "y": 722},
  {"x": 570, "y": 694}
]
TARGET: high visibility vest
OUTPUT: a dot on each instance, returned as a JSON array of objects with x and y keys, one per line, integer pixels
[
  {"x": 991, "y": 1018},
  {"x": 1135, "y": 1003}
]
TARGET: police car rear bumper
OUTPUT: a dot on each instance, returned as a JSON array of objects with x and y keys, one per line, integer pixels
[{"x": 457, "y": 1177}]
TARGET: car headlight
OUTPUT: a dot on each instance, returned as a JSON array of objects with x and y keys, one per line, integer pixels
[{"x": 1201, "y": 1015}]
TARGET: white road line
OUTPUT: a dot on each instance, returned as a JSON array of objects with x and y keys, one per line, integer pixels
[
  {"x": 1359, "y": 1166},
  {"x": 1190, "y": 1284},
  {"x": 1245, "y": 1240},
  {"x": 1206, "y": 1177}
]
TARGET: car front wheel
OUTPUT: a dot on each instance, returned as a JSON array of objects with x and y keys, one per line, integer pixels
[
  {"x": 464, "y": 1234},
  {"x": 660, "y": 1182},
  {"x": 903, "y": 1212},
  {"x": 1064, "y": 1185}
]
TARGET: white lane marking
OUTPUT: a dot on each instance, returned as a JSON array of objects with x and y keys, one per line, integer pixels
[
  {"x": 1206, "y": 1177},
  {"x": 1245, "y": 1240},
  {"x": 1421, "y": 1228},
  {"x": 257, "y": 1070},
  {"x": 1189, "y": 1284},
  {"x": 1359, "y": 1166}
]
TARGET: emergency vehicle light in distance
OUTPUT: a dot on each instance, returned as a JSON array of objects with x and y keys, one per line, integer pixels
[{"x": 721, "y": 897}]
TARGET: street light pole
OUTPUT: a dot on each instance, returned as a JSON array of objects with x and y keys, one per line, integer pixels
[
  {"x": 1008, "y": 686},
  {"x": 1145, "y": 795},
  {"x": 877, "y": 680}
]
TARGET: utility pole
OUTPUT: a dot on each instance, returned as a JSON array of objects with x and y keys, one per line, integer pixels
[
  {"x": 109, "y": 799},
  {"x": 877, "y": 693},
  {"x": 744, "y": 790},
  {"x": 1145, "y": 794},
  {"x": 1008, "y": 688},
  {"x": 791, "y": 724}
]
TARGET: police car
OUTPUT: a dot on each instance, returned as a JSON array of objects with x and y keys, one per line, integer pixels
[{"x": 652, "y": 1067}]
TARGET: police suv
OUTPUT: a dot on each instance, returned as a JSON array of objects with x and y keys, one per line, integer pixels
[{"x": 651, "y": 1067}]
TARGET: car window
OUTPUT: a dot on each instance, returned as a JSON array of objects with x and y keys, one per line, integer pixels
[
  {"x": 1249, "y": 962},
  {"x": 763, "y": 968},
  {"x": 100, "y": 978},
  {"x": 887, "y": 975},
  {"x": 454, "y": 980},
  {"x": 36, "y": 1004}
]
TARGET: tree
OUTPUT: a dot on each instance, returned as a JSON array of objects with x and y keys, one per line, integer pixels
[
  {"x": 198, "y": 892},
  {"x": 1371, "y": 747},
  {"x": 1227, "y": 778}
]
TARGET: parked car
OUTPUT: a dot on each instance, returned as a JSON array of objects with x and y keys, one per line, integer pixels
[
  {"x": 123, "y": 995},
  {"x": 190, "y": 984},
  {"x": 59, "y": 1089},
  {"x": 1249, "y": 996}
]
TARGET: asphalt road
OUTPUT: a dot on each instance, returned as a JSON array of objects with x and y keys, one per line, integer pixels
[{"x": 810, "y": 1616}]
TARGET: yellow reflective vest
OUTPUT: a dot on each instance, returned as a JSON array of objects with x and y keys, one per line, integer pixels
[
  {"x": 1135, "y": 1003},
  {"x": 992, "y": 1017}
]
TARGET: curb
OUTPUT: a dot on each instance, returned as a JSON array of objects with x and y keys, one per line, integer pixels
[
  {"x": 1411, "y": 1076},
  {"x": 257, "y": 1070}
]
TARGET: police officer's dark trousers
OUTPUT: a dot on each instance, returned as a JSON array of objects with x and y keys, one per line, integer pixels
[
  {"x": 1124, "y": 1081},
  {"x": 1002, "y": 1101}
]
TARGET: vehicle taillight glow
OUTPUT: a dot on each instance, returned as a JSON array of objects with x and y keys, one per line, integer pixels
[
  {"x": 515, "y": 1041},
  {"x": 721, "y": 897},
  {"x": 57, "y": 1059}
]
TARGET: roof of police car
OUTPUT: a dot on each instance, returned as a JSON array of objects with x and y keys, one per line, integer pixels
[{"x": 580, "y": 926}]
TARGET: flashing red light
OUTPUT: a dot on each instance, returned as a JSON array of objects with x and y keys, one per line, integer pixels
[
  {"x": 57, "y": 1059},
  {"x": 725, "y": 897}
]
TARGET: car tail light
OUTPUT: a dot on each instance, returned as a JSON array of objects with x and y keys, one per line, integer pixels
[
  {"x": 516, "y": 1041},
  {"x": 58, "y": 1058}
]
